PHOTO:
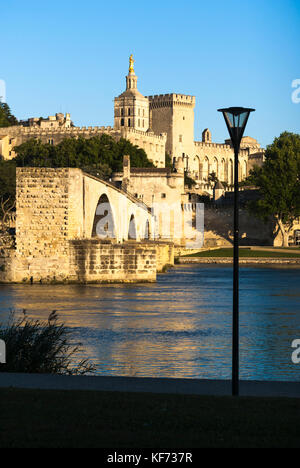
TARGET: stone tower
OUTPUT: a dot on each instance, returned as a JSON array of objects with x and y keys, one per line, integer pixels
[
  {"x": 174, "y": 115},
  {"x": 131, "y": 107}
]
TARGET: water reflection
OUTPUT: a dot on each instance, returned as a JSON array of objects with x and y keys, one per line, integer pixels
[{"x": 180, "y": 326}]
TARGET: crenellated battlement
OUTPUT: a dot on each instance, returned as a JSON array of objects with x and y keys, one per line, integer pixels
[
  {"x": 223, "y": 146},
  {"x": 164, "y": 100},
  {"x": 159, "y": 138},
  {"x": 203, "y": 144},
  {"x": 259, "y": 155},
  {"x": 18, "y": 129},
  {"x": 71, "y": 131}
]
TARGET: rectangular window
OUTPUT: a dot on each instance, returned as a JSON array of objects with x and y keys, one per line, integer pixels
[
  {"x": 163, "y": 195},
  {"x": 128, "y": 122},
  {"x": 180, "y": 138}
]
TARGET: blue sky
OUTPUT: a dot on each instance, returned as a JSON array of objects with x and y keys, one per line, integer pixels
[{"x": 72, "y": 56}]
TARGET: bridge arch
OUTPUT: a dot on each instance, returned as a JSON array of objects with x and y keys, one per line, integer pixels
[
  {"x": 147, "y": 232},
  {"x": 104, "y": 219},
  {"x": 132, "y": 229}
]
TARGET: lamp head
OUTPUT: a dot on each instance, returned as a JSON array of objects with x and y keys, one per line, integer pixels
[{"x": 236, "y": 119}]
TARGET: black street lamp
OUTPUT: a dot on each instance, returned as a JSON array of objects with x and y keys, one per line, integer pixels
[{"x": 236, "y": 119}]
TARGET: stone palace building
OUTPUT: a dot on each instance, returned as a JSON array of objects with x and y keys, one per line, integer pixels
[{"x": 159, "y": 124}]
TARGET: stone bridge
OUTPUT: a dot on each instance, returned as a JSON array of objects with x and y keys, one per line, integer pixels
[
  {"x": 71, "y": 204},
  {"x": 71, "y": 226}
]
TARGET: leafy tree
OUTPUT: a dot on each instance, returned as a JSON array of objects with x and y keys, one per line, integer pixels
[
  {"x": 225, "y": 184},
  {"x": 212, "y": 178},
  {"x": 34, "y": 153},
  {"x": 6, "y": 117},
  {"x": 7, "y": 180},
  {"x": 99, "y": 156},
  {"x": 7, "y": 201},
  {"x": 278, "y": 181}
]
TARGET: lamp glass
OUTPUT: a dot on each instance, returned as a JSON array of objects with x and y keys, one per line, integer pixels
[{"x": 236, "y": 119}]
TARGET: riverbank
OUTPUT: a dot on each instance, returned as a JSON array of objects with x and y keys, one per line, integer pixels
[
  {"x": 242, "y": 261},
  {"x": 247, "y": 255},
  {"x": 93, "y": 419},
  {"x": 214, "y": 387}
]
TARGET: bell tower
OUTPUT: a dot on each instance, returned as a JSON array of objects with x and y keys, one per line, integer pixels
[
  {"x": 131, "y": 107},
  {"x": 131, "y": 78}
]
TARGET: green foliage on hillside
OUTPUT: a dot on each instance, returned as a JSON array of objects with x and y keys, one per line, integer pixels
[
  {"x": 6, "y": 117},
  {"x": 7, "y": 179},
  {"x": 99, "y": 156}
]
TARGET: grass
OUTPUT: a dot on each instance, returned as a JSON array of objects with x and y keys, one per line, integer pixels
[
  {"x": 44, "y": 418},
  {"x": 244, "y": 252}
]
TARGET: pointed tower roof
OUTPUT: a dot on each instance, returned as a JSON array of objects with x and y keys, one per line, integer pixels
[{"x": 131, "y": 82}]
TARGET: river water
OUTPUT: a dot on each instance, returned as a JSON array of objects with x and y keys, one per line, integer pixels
[{"x": 179, "y": 326}]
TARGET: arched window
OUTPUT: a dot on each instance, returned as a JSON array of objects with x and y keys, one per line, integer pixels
[
  {"x": 240, "y": 172},
  {"x": 147, "y": 230},
  {"x": 215, "y": 167},
  {"x": 222, "y": 171},
  {"x": 230, "y": 175},
  {"x": 205, "y": 169},
  {"x": 197, "y": 167},
  {"x": 244, "y": 175}
]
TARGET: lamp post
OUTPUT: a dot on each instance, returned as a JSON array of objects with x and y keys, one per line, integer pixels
[{"x": 236, "y": 119}]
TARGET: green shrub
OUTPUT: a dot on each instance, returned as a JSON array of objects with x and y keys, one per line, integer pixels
[{"x": 34, "y": 346}]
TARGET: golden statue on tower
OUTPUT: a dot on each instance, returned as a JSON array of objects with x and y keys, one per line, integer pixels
[{"x": 131, "y": 62}]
